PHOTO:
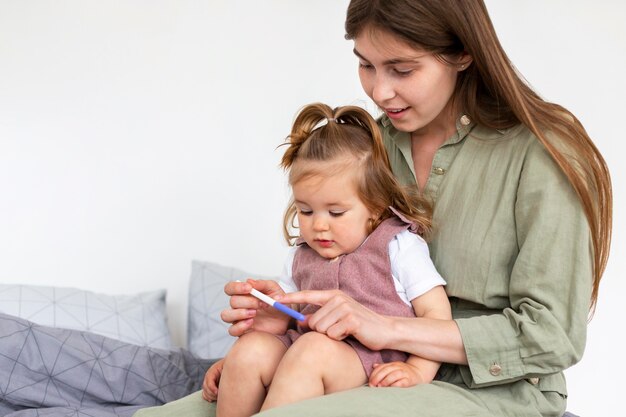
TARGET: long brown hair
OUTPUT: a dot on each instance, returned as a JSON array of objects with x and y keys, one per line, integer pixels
[
  {"x": 348, "y": 136},
  {"x": 492, "y": 93}
]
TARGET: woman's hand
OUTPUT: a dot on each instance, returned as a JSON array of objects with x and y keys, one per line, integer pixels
[
  {"x": 341, "y": 316},
  {"x": 212, "y": 380},
  {"x": 396, "y": 374},
  {"x": 248, "y": 313}
]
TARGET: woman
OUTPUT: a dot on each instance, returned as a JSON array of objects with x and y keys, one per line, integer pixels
[{"x": 522, "y": 222}]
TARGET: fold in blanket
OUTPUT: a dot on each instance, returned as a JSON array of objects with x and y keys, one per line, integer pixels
[{"x": 60, "y": 372}]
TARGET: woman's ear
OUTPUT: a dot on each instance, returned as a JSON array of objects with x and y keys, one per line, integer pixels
[{"x": 464, "y": 61}]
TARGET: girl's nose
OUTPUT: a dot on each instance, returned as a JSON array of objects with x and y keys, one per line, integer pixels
[{"x": 320, "y": 224}]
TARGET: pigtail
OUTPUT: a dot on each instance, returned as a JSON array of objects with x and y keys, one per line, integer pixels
[
  {"x": 405, "y": 200},
  {"x": 307, "y": 121},
  {"x": 360, "y": 117}
]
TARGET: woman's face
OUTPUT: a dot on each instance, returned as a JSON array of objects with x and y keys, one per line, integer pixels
[{"x": 413, "y": 87}]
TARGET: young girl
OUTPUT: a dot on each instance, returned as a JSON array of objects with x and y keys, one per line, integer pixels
[{"x": 358, "y": 234}]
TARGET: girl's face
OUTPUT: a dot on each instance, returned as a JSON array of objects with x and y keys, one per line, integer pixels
[
  {"x": 332, "y": 218},
  {"x": 413, "y": 87}
]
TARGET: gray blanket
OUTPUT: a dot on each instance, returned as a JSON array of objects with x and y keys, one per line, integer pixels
[{"x": 47, "y": 371}]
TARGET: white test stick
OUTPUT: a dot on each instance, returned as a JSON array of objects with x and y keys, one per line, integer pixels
[{"x": 278, "y": 306}]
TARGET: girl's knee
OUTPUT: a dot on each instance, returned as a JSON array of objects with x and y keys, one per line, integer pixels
[
  {"x": 249, "y": 348},
  {"x": 315, "y": 346}
]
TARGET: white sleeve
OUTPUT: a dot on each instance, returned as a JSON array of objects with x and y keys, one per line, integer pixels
[
  {"x": 286, "y": 279},
  {"x": 413, "y": 271}
]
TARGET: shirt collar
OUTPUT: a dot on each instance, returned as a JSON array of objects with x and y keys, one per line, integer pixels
[{"x": 464, "y": 126}]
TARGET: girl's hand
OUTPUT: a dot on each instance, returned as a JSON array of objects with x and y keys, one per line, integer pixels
[
  {"x": 341, "y": 316},
  {"x": 212, "y": 380},
  {"x": 395, "y": 374},
  {"x": 247, "y": 313}
]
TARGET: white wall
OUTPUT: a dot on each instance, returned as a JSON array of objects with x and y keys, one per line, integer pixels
[{"x": 138, "y": 135}]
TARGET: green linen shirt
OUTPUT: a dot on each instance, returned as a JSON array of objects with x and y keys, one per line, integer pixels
[{"x": 513, "y": 244}]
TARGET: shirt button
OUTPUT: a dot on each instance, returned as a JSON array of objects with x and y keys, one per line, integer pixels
[
  {"x": 439, "y": 171},
  {"x": 533, "y": 381},
  {"x": 495, "y": 369}
]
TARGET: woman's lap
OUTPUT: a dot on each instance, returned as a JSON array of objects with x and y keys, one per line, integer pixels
[
  {"x": 190, "y": 406},
  {"x": 437, "y": 399}
]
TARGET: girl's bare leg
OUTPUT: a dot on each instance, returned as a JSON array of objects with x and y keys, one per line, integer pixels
[
  {"x": 313, "y": 366},
  {"x": 248, "y": 371}
]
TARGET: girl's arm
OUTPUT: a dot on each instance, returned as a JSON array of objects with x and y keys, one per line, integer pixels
[
  {"x": 433, "y": 304},
  {"x": 248, "y": 313}
]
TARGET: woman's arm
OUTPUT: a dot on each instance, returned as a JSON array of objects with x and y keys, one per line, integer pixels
[
  {"x": 341, "y": 316},
  {"x": 542, "y": 328}
]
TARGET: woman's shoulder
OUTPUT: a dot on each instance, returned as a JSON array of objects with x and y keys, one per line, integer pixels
[{"x": 518, "y": 140}]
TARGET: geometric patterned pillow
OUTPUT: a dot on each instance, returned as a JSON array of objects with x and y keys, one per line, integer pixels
[
  {"x": 139, "y": 319},
  {"x": 207, "y": 334}
]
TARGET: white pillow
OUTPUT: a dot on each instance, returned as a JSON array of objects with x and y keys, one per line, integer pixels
[
  {"x": 207, "y": 334},
  {"x": 138, "y": 318}
]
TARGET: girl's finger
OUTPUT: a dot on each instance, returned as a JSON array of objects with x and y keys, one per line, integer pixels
[
  {"x": 241, "y": 327},
  {"x": 231, "y": 315},
  {"x": 378, "y": 374}
]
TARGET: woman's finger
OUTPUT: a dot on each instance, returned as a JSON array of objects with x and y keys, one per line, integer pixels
[
  {"x": 337, "y": 318},
  {"x": 309, "y": 297}
]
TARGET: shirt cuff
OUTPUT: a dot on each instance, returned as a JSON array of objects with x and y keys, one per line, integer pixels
[{"x": 493, "y": 358}]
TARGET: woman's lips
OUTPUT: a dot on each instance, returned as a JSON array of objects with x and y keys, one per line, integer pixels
[{"x": 396, "y": 113}]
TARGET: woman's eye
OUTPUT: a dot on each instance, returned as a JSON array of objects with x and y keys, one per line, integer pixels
[
  {"x": 403, "y": 72},
  {"x": 337, "y": 213},
  {"x": 365, "y": 66}
]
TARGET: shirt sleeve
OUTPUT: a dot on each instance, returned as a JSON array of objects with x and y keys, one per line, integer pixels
[
  {"x": 286, "y": 278},
  {"x": 544, "y": 329},
  {"x": 411, "y": 266}
]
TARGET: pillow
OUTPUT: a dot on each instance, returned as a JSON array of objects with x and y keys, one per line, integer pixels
[
  {"x": 207, "y": 334},
  {"x": 138, "y": 318}
]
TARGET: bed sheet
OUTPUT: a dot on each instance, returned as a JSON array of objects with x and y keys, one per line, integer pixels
[{"x": 47, "y": 371}]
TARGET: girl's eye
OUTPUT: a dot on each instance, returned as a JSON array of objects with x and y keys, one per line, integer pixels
[
  {"x": 337, "y": 213},
  {"x": 305, "y": 212}
]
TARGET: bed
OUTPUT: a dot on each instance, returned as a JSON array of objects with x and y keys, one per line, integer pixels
[{"x": 72, "y": 352}]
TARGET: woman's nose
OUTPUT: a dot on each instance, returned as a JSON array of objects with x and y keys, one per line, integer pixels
[{"x": 382, "y": 89}]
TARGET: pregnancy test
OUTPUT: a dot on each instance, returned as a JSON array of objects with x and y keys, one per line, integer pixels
[{"x": 278, "y": 306}]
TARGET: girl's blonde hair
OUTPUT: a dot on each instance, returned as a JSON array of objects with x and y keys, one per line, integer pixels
[
  {"x": 493, "y": 94},
  {"x": 348, "y": 137}
]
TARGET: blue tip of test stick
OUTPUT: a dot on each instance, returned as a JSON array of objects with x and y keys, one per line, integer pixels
[{"x": 293, "y": 313}]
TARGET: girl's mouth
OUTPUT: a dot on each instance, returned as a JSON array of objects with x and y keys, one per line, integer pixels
[{"x": 325, "y": 243}]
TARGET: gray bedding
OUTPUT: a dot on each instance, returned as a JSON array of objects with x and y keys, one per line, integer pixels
[{"x": 47, "y": 371}]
